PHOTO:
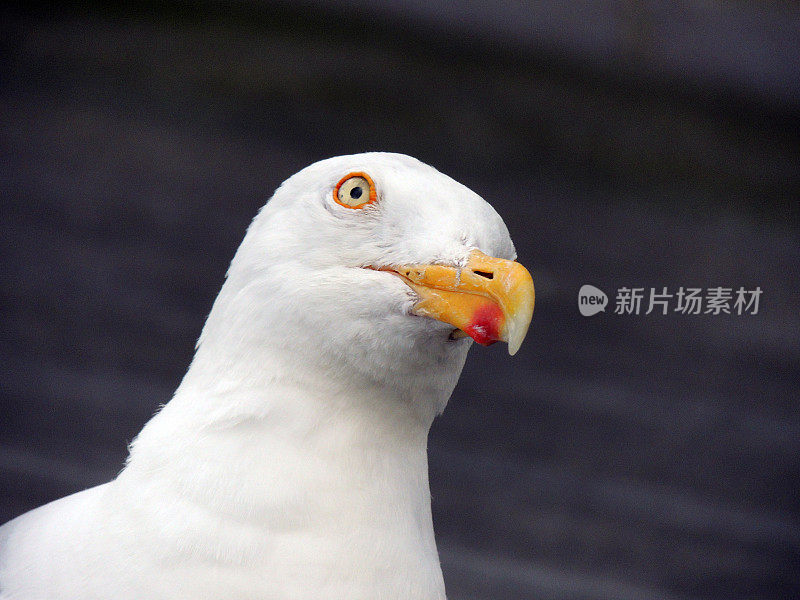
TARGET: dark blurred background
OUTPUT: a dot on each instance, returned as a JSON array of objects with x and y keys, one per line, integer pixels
[{"x": 625, "y": 143}]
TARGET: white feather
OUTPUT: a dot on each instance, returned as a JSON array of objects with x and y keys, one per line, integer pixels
[{"x": 291, "y": 462}]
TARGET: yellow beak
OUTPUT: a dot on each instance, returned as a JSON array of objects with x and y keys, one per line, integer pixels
[{"x": 490, "y": 299}]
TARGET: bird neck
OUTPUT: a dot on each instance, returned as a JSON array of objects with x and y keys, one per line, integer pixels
[{"x": 282, "y": 455}]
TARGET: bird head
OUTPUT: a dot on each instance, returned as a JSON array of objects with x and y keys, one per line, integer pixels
[{"x": 371, "y": 268}]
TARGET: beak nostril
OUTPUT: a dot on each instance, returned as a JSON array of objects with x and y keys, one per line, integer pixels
[{"x": 486, "y": 274}]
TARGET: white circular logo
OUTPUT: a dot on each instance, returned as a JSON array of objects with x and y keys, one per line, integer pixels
[{"x": 591, "y": 300}]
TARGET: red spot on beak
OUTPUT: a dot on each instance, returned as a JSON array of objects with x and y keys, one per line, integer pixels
[{"x": 484, "y": 327}]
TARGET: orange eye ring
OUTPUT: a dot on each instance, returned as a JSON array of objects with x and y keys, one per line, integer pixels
[{"x": 349, "y": 191}]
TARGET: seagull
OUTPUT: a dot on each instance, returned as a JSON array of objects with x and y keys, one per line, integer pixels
[{"x": 291, "y": 462}]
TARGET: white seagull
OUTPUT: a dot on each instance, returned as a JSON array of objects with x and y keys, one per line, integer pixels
[{"x": 291, "y": 462}]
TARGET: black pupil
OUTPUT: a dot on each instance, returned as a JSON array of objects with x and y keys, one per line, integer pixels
[{"x": 356, "y": 193}]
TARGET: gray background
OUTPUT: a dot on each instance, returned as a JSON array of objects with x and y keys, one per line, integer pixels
[{"x": 642, "y": 144}]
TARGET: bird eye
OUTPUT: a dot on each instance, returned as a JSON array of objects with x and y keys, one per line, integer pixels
[{"x": 355, "y": 191}]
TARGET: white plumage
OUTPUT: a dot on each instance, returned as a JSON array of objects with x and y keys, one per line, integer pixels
[{"x": 291, "y": 462}]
